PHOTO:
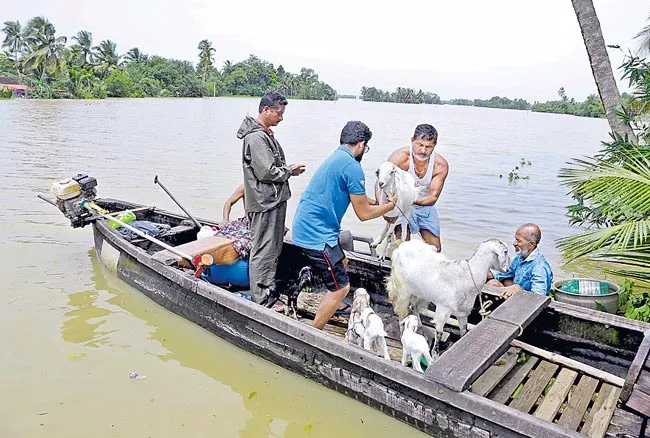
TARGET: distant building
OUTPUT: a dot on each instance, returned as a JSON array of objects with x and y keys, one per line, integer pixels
[{"x": 20, "y": 90}]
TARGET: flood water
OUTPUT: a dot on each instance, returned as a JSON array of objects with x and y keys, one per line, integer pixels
[{"x": 72, "y": 333}]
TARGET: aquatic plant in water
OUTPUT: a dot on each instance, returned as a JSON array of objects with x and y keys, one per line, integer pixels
[{"x": 513, "y": 175}]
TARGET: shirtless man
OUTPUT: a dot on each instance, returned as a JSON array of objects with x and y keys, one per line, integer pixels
[{"x": 430, "y": 171}]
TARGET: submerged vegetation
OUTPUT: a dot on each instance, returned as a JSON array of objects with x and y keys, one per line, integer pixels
[
  {"x": 513, "y": 175},
  {"x": 54, "y": 66}
]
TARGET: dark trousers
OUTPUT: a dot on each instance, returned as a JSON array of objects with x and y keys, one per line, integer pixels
[{"x": 267, "y": 232}]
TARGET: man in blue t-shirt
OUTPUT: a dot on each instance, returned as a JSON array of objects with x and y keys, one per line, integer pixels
[{"x": 338, "y": 182}]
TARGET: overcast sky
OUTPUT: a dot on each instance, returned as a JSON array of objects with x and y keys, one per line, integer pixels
[{"x": 461, "y": 48}]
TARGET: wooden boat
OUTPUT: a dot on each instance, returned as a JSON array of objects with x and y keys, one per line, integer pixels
[{"x": 531, "y": 368}]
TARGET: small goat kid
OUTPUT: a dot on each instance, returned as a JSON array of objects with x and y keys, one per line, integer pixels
[
  {"x": 414, "y": 344},
  {"x": 393, "y": 180},
  {"x": 374, "y": 335},
  {"x": 421, "y": 275},
  {"x": 356, "y": 330}
]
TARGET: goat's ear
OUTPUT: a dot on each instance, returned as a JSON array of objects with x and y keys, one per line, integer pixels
[{"x": 402, "y": 322}]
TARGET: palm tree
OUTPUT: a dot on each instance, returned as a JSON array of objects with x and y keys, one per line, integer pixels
[
  {"x": 227, "y": 67},
  {"x": 135, "y": 55},
  {"x": 13, "y": 39},
  {"x": 45, "y": 51},
  {"x": 601, "y": 66},
  {"x": 620, "y": 193},
  {"x": 644, "y": 36},
  {"x": 206, "y": 59},
  {"x": 106, "y": 57},
  {"x": 84, "y": 45},
  {"x": 612, "y": 191}
]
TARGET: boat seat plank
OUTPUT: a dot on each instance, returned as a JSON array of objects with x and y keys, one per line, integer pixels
[
  {"x": 468, "y": 358},
  {"x": 601, "y": 413},
  {"x": 643, "y": 381},
  {"x": 578, "y": 402},
  {"x": 640, "y": 361},
  {"x": 472, "y": 354},
  {"x": 521, "y": 309},
  {"x": 639, "y": 401},
  {"x": 220, "y": 248},
  {"x": 493, "y": 375},
  {"x": 507, "y": 386},
  {"x": 556, "y": 395},
  {"x": 626, "y": 424},
  {"x": 533, "y": 388}
]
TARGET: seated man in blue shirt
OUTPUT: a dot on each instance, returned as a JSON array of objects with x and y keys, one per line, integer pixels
[
  {"x": 338, "y": 182},
  {"x": 529, "y": 270}
]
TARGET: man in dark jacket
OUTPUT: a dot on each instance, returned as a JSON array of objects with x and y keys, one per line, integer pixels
[{"x": 266, "y": 190}]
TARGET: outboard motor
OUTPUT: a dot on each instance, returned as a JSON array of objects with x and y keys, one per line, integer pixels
[{"x": 70, "y": 195}]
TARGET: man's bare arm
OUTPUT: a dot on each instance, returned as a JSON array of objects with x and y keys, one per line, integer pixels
[{"x": 440, "y": 171}]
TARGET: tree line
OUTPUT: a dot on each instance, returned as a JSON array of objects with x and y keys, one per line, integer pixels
[
  {"x": 409, "y": 95},
  {"x": 34, "y": 54},
  {"x": 401, "y": 95},
  {"x": 591, "y": 107}
]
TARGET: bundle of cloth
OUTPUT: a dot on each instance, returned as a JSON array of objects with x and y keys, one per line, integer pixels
[{"x": 239, "y": 232}]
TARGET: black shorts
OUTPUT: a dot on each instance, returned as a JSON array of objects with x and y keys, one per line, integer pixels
[{"x": 328, "y": 266}]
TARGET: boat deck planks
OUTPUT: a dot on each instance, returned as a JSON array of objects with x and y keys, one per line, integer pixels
[
  {"x": 553, "y": 400},
  {"x": 601, "y": 412},
  {"x": 509, "y": 384},
  {"x": 533, "y": 388},
  {"x": 493, "y": 375},
  {"x": 577, "y": 402}
]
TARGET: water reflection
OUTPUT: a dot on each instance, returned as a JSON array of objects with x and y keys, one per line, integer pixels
[
  {"x": 276, "y": 402},
  {"x": 83, "y": 322}
]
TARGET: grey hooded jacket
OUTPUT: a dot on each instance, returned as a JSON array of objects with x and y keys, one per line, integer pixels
[{"x": 266, "y": 174}]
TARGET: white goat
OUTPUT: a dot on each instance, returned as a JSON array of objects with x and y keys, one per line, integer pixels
[
  {"x": 374, "y": 335},
  {"x": 421, "y": 275},
  {"x": 414, "y": 344},
  {"x": 356, "y": 330},
  {"x": 393, "y": 180}
]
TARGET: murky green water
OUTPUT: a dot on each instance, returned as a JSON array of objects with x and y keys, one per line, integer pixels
[{"x": 72, "y": 333}]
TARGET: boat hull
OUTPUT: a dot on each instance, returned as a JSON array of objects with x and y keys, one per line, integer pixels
[{"x": 397, "y": 391}]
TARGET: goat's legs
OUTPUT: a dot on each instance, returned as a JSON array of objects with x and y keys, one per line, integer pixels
[
  {"x": 441, "y": 317},
  {"x": 367, "y": 342},
  {"x": 401, "y": 305},
  {"x": 415, "y": 362},
  {"x": 404, "y": 356},
  {"x": 381, "y": 342},
  {"x": 428, "y": 357},
  {"x": 381, "y": 237},
  {"x": 462, "y": 324}
]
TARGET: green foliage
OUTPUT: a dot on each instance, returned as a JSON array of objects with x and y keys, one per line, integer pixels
[
  {"x": 612, "y": 194},
  {"x": 119, "y": 84},
  {"x": 591, "y": 107},
  {"x": 36, "y": 56},
  {"x": 493, "y": 102},
  {"x": 401, "y": 95},
  {"x": 633, "y": 305},
  {"x": 6, "y": 93}
]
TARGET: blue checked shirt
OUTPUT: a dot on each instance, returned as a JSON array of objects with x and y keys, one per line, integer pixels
[{"x": 533, "y": 274}]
